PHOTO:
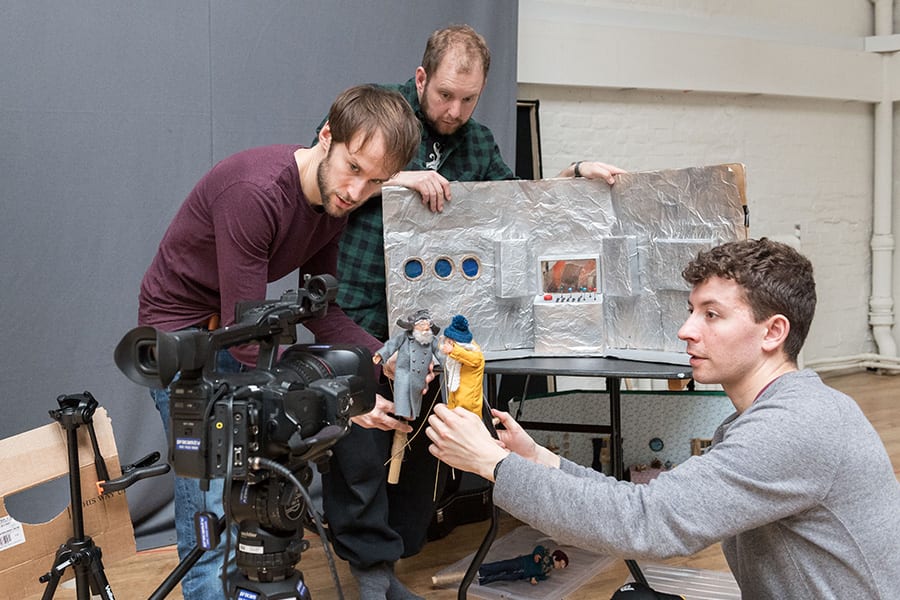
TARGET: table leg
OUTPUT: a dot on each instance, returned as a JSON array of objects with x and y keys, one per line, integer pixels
[
  {"x": 491, "y": 533},
  {"x": 613, "y": 388},
  {"x": 482, "y": 551},
  {"x": 615, "y": 423}
]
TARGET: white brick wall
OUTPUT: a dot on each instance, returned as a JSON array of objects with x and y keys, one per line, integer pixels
[{"x": 809, "y": 162}]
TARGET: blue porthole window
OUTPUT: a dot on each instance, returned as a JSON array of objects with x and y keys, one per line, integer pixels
[
  {"x": 413, "y": 269},
  {"x": 443, "y": 267},
  {"x": 470, "y": 267}
]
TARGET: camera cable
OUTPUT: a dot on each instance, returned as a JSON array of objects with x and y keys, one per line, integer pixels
[
  {"x": 257, "y": 463},
  {"x": 229, "y": 472}
]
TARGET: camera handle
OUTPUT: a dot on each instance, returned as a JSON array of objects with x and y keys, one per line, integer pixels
[{"x": 181, "y": 569}]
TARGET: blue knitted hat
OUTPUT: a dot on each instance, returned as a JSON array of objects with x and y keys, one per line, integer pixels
[{"x": 458, "y": 330}]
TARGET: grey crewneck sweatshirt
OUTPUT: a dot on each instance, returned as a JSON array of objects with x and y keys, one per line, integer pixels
[{"x": 798, "y": 488}]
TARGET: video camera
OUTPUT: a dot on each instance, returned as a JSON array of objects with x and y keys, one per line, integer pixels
[
  {"x": 259, "y": 428},
  {"x": 289, "y": 411}
]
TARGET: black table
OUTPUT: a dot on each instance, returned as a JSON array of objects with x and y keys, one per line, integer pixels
[
  {"x": 611, "y": 369},
  {"x": 614, "y": 370}
]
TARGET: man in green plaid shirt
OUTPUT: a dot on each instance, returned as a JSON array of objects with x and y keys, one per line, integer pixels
[{"x": 455, "y": 147}]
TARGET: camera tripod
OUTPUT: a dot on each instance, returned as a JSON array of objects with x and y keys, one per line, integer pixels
[
  {"x": 269, "y": 518},
  {"x": 80, "y": 552}
]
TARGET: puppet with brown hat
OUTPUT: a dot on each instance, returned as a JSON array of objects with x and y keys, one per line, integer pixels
[{"x": 416, "y": 347}]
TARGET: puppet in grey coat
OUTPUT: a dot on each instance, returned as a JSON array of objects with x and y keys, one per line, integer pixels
[{"x": 416, "y": 345}]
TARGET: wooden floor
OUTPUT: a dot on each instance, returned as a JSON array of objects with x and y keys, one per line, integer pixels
[{"x": 137, "y": 577}]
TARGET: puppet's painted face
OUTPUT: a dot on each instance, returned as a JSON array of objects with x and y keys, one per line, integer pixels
[{"x": 422, "y": 332}]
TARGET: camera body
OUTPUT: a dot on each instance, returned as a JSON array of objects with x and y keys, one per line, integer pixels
[
  {"x": 291, "y": 413},
  {"x": 290, "y": 410}
]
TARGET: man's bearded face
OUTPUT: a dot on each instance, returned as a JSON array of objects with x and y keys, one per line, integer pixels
[
  {"x": 350, "y": 174},
  {"x": 448, "y": 96}
]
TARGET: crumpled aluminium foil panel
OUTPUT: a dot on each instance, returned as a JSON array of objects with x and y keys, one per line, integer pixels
[{"x": 563, "y": 267}]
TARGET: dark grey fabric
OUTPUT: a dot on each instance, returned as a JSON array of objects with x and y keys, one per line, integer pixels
[{"x": 111, "y": 111}]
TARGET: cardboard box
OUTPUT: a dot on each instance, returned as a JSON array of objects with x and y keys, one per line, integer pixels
[{"x": 29, "y": 459}]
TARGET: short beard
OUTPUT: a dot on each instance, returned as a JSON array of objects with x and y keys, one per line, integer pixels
[
  {"x": 322, "y": 173},
  {"x": 424, "y": 104},
  {"x": 322, "y": 179},
  {"x": 423, "y": 337}
]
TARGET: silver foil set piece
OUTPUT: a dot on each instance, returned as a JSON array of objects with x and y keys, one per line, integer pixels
[{"x": 562, "y": 267}]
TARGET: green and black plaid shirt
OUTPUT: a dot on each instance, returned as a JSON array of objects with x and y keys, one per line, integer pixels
[{"x": 470, "y": 154}]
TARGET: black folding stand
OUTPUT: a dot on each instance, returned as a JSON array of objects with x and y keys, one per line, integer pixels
[
  {"x": 611, "y": 369},
  {"x": 80, "y": 552}
]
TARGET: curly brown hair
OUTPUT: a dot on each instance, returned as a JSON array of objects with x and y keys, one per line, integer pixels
[{"x": 775, "y": 278}]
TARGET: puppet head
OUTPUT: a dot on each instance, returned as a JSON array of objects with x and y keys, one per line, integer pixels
[
  {"x": 458, "y": 330},
  {"x": 423, "y": 314}
]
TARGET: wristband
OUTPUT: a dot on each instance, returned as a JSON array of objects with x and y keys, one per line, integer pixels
[
  {"x": 577, "y": 170},
  {"x": 497, "y": 467}
]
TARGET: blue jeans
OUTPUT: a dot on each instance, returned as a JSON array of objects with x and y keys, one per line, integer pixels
[
  {"x": 509, "y": 569},
  {"x": 202, "y": 581}
]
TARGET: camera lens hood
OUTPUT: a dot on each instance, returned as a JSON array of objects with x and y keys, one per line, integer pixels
[{"x": 153, "y": 358}]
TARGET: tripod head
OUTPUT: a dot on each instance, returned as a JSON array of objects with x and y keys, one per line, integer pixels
[
  {"x": 75, "y": 409},
  {"x": 269, "y": 516}
]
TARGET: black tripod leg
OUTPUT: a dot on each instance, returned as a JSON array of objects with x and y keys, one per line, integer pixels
[
  {"x": 52, "y": 578},
  {"x": 82, "y": 584},
  {"x": 83, "y": 556},
  {"x": 177, "y": 574},
  {"x": 183, "y": 567},
  {"x": 636, "y": 571},
  {"x": 99, "y": 583},
  {"x": 491, "y": 533}
]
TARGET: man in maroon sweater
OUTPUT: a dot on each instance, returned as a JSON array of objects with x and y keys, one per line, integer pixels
[{"x": 254, "y": 218}]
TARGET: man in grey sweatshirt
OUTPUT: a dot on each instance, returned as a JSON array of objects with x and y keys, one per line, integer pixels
[{"x": 797, "y": 484}]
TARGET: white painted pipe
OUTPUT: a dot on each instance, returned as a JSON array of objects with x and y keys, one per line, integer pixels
[
  {"x": 856, "y": 362},
  {"x": 884, "y": 17},
  {"x": 881, "y": 304}
]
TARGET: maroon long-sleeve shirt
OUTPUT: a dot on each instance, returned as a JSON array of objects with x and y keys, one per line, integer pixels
[{"x": 246, "y": 223}]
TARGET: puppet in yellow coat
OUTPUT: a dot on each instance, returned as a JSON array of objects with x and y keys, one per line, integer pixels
[{"x": 463, "y": 366}]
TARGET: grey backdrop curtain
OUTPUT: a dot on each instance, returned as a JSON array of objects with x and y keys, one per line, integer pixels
[{"x": 109, "y": 113}]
